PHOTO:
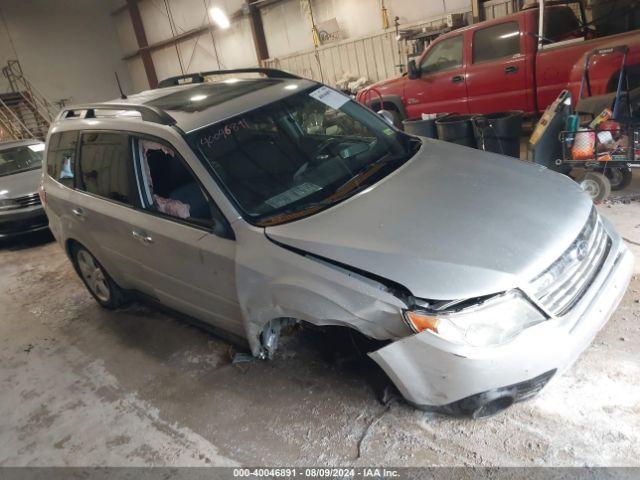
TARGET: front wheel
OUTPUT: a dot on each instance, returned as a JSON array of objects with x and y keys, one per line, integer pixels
[
  {"x": 619, "y": 177},
  {"x": 596, "y": 185},
  {"x": 97, "y": 280}
]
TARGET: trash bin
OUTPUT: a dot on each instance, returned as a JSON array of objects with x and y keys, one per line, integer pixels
[
  {"x": 421, "y": 128},
  {"x": 456, "y": 129},
  {"x": 499, "y": 132}
]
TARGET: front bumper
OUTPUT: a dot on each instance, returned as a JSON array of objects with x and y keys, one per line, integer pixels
[
  {"x": 23, "y": 220},
  {"x": 431, "y": 372}
]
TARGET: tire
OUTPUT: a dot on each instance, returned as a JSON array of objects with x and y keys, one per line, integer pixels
[
  {"x": 100, "y": 285},
  {"x": 596, "y": 185},
  {"x": 619, "y": 177}
]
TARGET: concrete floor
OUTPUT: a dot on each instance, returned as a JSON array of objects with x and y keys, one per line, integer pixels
[{"x": 83, "y": 386}]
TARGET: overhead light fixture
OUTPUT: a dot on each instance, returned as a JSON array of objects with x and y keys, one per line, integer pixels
[
  {"x": 197, "y": 98},
  {"x": 219, "y": 17}
]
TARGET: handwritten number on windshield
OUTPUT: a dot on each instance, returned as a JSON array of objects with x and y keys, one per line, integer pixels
[{"x": 224, "y": 132}]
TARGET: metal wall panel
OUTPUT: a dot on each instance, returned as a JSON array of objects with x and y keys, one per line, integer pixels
[{"x": 498, "y": 8}]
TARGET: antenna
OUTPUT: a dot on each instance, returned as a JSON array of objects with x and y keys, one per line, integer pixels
[{"x": 122, "y": 95}]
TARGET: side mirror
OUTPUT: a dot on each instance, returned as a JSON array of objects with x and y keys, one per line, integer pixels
[
  {"x": 386, "y": 116},
  {"x": 413, "y": 71}
]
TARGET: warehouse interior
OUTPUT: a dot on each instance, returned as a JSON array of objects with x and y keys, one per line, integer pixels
[{"x": 145, "y": 383}]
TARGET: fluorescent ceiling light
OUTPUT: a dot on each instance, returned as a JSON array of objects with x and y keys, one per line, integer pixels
[
  {"x": 291, "y": 87},
  {"x": 197, "y": 98},
  {"x": 4, "y": 192},
  {"x": 37, "y": 147},
  {"x": 219, "y": 17}
]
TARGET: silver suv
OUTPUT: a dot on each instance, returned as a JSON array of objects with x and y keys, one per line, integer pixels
[{"x": 255, "y": 203}]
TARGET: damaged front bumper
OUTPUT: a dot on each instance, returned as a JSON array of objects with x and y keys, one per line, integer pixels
[{"x": 434, "y": 374}]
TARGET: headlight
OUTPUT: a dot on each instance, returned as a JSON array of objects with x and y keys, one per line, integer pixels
[{"x": 493, "y": 322}]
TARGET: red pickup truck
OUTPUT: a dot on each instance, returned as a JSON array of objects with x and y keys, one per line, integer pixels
[{"x": 506, "y": 64}]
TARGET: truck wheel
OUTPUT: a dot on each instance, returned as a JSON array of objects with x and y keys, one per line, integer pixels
[
  {"x": 619, "y": 177},
  {"x": 596, "y": 185},
  {"x": 100, "y": 285}
]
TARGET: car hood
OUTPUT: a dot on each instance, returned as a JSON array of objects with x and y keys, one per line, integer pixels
[
  {"x": 20, "y": 184},
  {"x": 390, "y": 86},
  {"x": 451, "y": 223}
]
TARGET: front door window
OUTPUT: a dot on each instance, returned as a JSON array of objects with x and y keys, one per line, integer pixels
[{"x": 445, "y": 55}]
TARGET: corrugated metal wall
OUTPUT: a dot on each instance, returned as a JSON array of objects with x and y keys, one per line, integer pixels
[{"x": 374, "y": 57}]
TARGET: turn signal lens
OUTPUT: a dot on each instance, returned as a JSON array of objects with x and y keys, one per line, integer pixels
[
  {"x": 488, "y": 323},
  {"x": 421, "y": 321}
]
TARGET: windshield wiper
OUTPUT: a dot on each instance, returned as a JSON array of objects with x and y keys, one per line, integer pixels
[{"x": 349, "y": 188}]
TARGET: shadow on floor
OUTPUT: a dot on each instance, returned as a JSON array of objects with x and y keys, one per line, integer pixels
[{"x": 27, "y": 240}]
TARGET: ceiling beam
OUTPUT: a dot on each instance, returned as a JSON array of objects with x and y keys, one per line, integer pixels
[{"x": 194, "y": 32}]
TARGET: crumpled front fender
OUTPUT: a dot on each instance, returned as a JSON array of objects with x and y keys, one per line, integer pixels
[{"x": 274, "y": 282}]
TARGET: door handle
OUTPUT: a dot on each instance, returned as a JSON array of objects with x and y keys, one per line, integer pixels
[
  {"x": 78, "y": 212},
  {"x": 457, "y": 79},
  {"x": 510, "y": 69},
  {"x": 142, "y": 237}
]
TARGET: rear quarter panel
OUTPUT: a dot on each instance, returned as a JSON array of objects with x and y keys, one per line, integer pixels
[{"x": 561, "y": 66}]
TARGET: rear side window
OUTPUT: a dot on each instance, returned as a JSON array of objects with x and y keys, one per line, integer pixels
[
  {"x": 494, "y": 42},
  {"x": 560, "y": 24},
  {"x": 106, "y": 166},
  {"x": 61, "y": 157}
]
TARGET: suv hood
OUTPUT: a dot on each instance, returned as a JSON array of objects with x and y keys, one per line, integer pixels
[
  {"x": 20, "y": 184},
  {"x": 451, "y": 223}
]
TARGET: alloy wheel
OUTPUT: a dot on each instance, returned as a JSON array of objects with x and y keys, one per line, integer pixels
[{"x": 93, "y": 276}]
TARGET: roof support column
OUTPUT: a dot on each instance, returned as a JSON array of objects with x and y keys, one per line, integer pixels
[
  {"x": 141, "y": 37},
  {"x": 257, "y": 30},
  {"x": 477, "y": 11}
]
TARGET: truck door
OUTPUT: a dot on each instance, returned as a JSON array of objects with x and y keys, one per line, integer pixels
[
  {"x": 497, "y": 76},
  {"x": 441, "y": 86}
]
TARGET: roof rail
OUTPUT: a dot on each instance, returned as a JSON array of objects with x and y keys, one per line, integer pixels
[
  {"x": 199, "y": 77},
  {"x": 147, "y": 112}
]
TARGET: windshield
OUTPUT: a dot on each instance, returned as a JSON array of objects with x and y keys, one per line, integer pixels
[
  {"x": 300, "y": 154},
  {"x": 20, "y": 159}
]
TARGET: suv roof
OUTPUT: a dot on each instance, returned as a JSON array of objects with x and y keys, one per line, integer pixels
[{"x": 193, "y": 106}]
